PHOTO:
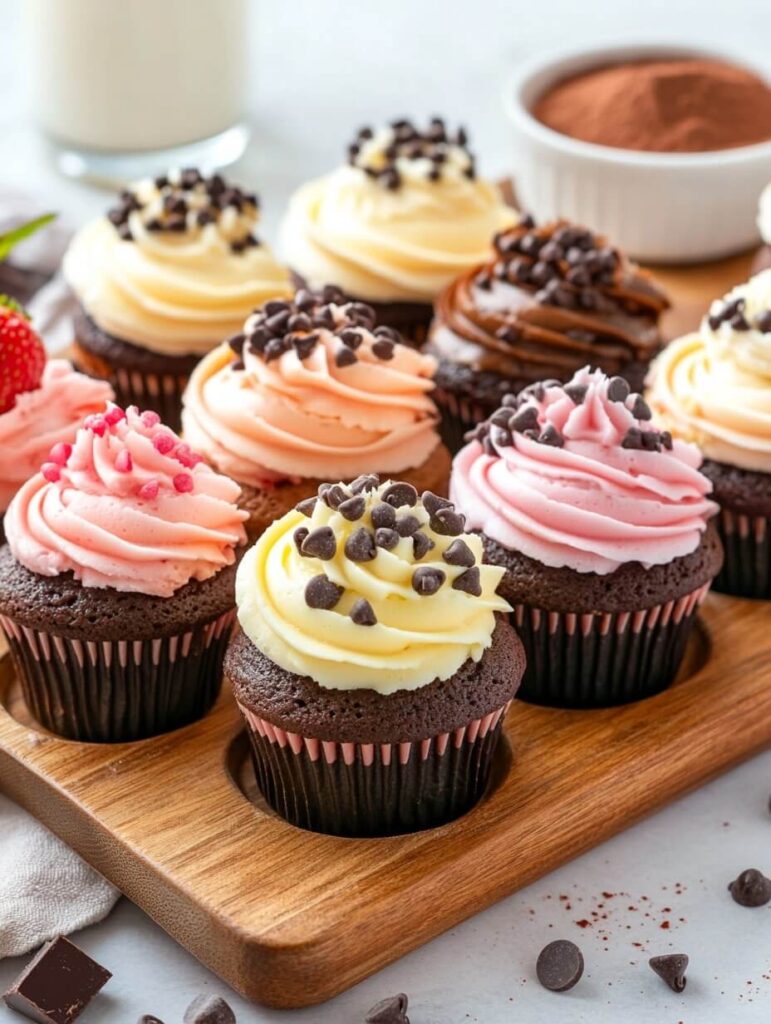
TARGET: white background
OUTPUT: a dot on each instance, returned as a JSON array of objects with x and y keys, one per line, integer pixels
[{"x": 320, "y": 69}]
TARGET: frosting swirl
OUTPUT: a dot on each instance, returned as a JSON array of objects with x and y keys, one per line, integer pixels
[
  {"x": 51, "y": 412},
  {"x": 549, "y": 300},
  {"x": 164, "y": 272},
  {"x": 399, "y": 223},
  {"x": 127, "y": 506},
  {"x": 714, "y": 387},
  {"x": 576, "y": 476},
  {"x": 309, "y": 389},
  {"x": 329, "y": 594}
]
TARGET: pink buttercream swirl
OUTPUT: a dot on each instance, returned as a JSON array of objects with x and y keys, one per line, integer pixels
[
  {"x": 585, "y": 481},
  {"x": 51, "y": 412},
  {"x": 127, "y": 506}
]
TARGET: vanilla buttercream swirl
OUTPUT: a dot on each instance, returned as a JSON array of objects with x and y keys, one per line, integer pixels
[
  {"x": 415, "y": 638},
  {"x": 580, "y": 478},
  {"x": 303, "y": 415},
  {"x": 128, "y": 506}
]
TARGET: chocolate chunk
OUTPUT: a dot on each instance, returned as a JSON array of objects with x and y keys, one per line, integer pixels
[
  {"x": 321, "y": 592},
  {"x": 299, "y": 536},
  {"x": 650, "y": 441},
  {"x": 671, "y": 968},
  {"x": 299, "y": 322},
  {"x": 149, "y": 1018},
  {"x": 421, "y": 545},
  {"x": 427, "y": 580},
  {"x": 763, "y": 321},
  {"x": 577, "y": 392},
  {"x": 57, "y": 984},
  {"x": 560, "y": 965},
  {"x": 304, "y": 344},
  {"x": 551, "y": 436},
  {"x": 385, "y": 538},
  {"x": 501, "y": 438},
  {"x": 320, "y": 543},
  {"x": 407, "y": 525},
  {"x": 618, "y": 389},
  {"x": 275, "y": 348},
  {"x": 389, "y": 1011},
  {"x": 237, "y": 343},
  {"x": 206, "y": 1009},
  {"x": 360, "y": 546},
  {"x": 432, "y": 502},
  {"x": 362, "y": 613},
  {"x": 632, "y": 439},
  {"x": 525, "y": 419},
  {"x": 351, "y": 338},
  {"x": 400, "y": 494},
  {"x": 383, "y": 516},
  {"x": 639, "y": 408},
  {"x": 352, "y": 508},
  {"x": 459, "y": 553},
  {"x": 333, "y": 495},
  {"x": 751, "y": 888},
  {"x": 345, "y": 357},
  {"x": 365, "y": 482},
  {"x": 666, "y": 439},
  {"x": 306, "y": 506},
  {"x": 383, "y": 349},
  {"x": 469, "y": 582},
  {"x": 447, "y": 522}
]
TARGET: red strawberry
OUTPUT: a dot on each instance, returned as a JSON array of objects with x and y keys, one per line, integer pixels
[{"x": 22, "y": 356}]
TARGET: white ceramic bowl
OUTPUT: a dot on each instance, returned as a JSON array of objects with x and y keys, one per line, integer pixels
[{"x": 665, "y": 207}]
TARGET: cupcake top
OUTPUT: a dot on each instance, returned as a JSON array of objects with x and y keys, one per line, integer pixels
[
  {"x": 577, "y": 476},
  {"x": 549, "y": 299},
  {"x": 311, "y": 388},
  {"x": 714, "y": 387},
  {"x": 400, "y": 221},
  {"x": 176, "y": 265},
  {"x": 369, "y": 586},
  {"x": 47, "y": 413},
  {"x": 126, "y": 506}
]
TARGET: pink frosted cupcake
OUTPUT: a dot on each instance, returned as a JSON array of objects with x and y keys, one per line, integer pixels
[{"x": 117, "y": 582}]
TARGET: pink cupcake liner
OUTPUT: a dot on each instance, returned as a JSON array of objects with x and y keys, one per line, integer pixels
[{"x": 746, "y": 541}]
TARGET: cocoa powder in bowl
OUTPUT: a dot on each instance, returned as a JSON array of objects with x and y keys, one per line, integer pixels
[{"x": 664, "y": 106}]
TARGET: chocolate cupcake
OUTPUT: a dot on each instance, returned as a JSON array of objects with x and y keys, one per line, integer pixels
[
  {"x": 547, "y": 301},
  {"x": 117, "y": 583},
  {"x": 374, "y": 668},
  {"x": 600, "y": 521},
  {"x": 312, "y": 390},
  {"x": 400, "y": 221},
  {"x": 762, "y": 259},
  {"x": 171, "y": 270},
  {"x": 714, "y": 388}
]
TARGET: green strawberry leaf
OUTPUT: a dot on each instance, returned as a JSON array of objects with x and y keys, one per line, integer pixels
[
  {"x": 12, "y": 238},
  {"x": 6, "y": 302}
]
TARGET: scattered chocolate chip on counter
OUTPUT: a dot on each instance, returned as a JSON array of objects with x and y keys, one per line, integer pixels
[
  {"x": 206, "y": 1009},
  {"x": 751, "y": 888},
  {"x": 149, "y": 1018},
  {"x": 671, "y": 968},
  {"x": 560, "y": 965},
  {"x": 389, "y": 1011}
]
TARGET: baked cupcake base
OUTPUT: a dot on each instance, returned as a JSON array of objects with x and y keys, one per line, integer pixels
[
  {"x": 102, "y": 666},
  {"x": 358, "y": 763},
  {"x": 744, "y": 524},
  {"x": 596, "y": 641}
]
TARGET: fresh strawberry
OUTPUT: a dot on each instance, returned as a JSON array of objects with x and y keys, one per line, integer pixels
[{"x": 22, "y": 355}]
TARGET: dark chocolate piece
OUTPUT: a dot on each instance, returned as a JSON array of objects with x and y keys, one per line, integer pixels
[
  {"x": 299, "y": 536},
  {"x": 320, "y": 543},
  {"x": 640, "y": 408},
  {"x": 352, "y": 508},
  {"x": 448, "y": 522},
  {"x": 389, "y": 1011},
  {"x": 407, "y": 525},
  {"x": 365, "y": 482},
  {"x": 333, "y": 495},
  {"x": 362, "y": 613},
  {"x": 427, "y": 580},
  {"x": 421, "y": 545},
  {"x": 400, "y": 494},
  {"x": 751, "y": 888},
  {"x": 560, "y": 965},
  {"x": 469, "y": 582},
  {"x": 206, "y": 1009},
  {"x": 432, "y": 502},
  {"x": 551, "y": 436},
  {"x": 618, "y": 389},
  {"x": 360, "y": 546},
  {"x": 383, "y": 516},
  {"x": 459, "y": 553},
  {"x": 321, "y": 592},
  {"x": 306, "y": 506},
  {"x": 671, "y": 968},
  {"x": 386, "y": 538}
]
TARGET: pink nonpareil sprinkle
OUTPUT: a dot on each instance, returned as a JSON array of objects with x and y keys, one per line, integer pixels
[
  {"x": 123, "y": 461},
  {"x": 150, "y": 419},
  {"x": 97, "y": 424},
  {"x": 163, "y": 443},
  {"x": 149, "y": 490},
  {"x": 51, "y": 472},
  {"x": 184, "y": 453},
  {"x": 114, "y": 416},
  {"x": 183, "y": 483},
  {"x": 60, "y": 453}
]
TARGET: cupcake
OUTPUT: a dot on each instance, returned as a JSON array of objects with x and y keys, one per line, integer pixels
[
  {"x": 396, "y": 225},
  {"x": 373, "y": 667},
  {"x": 40, "y": 403},
  {"x": 545, "y": 302},
  {"x": 312, "y": 390},
  {"x": 714, "y": 388},
  {"x": 762, "y": 259},
  {"x": 601, "y": 522},
  {"x": 117, "y": 582},
  {"x": 173, "y": 269}
]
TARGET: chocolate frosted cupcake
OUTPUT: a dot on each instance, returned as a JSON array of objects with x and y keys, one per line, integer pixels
[
  {"x": 714, "y": 388},
  {"x": 546, "y": 302},
  {"x": 174, "y": 268},
  {"x": 397, "y": 224},
  {"x": 312, "y": 390},
  {"x": 117, "y": 583},
  {"x": 372, "y": 670},
  {"x": 600, "y": 521}
]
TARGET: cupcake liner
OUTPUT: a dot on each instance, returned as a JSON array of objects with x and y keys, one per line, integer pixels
[
  {"x": 459, "y": 415},
  {"x": 161, "y": 393},
  {"x": 599, "y": 659},
  {"x": 115, "y": 691},
  {"x": 373, "y": 789},
  {"x": 746, "y": 541}
]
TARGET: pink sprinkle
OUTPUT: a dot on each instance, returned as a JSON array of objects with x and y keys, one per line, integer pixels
[
  {"x": 183, "y": 482},
  {"x": 51, "y": 472},
  {"x": 150, "y": 419},
  {"x": 114, "y": 415},
  {"x": 163, "y": 443},
  {"x": 96, "y": 423},
  {"x": 60, "y": 453},
  {"x": 123, "y": 461},
  {"x": 185, "y": 454},
  {"x": 149, "y": 491}
]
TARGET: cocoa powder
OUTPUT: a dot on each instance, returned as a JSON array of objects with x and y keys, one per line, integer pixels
[{"x": 666, "y": 106}]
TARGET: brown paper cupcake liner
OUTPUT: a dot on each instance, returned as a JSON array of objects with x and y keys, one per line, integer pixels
[
  {"x": 115, "y": 691},
  {"x": 746, "y": 541},
  {"x": 373, "y": 789},
  {"x": 459, "y": 415},
  {"x": 162, "y": 393},
  {"x": 601, "y": 659}
]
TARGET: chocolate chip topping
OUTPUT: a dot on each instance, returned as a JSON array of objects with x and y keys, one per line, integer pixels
[
  {"x": 400, "y": 494},
  {"x": 407, "y": 525},
  {"x": 389, "y": 1011},
  {"x": 577, "y": 392},
  {"x": 459, "y": 553},
  {"x": 432, "y": 502},
  {"x": 469, "y": 582},
  {"x": 618, "y": 389},
  {"x": 751, "y": 888},
  {"x": 365, "y": 482},
  {"x": 763, "y": 321},
  {"x": 333, "y": 495},
  {"x": 639, "y": 408},
  {"x": 299, "y": 536},
  {"x": 362, "y": 613},
  {"x": 730, "y": 312},
  {"x": 426, "y": 580},
  {"x": 671, "y": 968},
  {"x": 360, "y": 546},
  {"x": 306, "y": 506},
  {"x": 206, "y": 1009},
  {"x": 421, "y": 545},
  {"x": 383, "y": 516},
  {"x": 319, "y": 543},
  {"x": 448, "y": 522},
  {"x": 352, "y": 508},
  {"x": 378, "y": 155},
  {"x": 321, "y": 592},
  {"x": 386, "y": 538},
  {"x": 560, "y": 965}
]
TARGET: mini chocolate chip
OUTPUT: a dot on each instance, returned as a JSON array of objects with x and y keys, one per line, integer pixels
[
  {"x": 299, "y": 536},
  {"x": 304, "y": 345},
  {"x": 362, "y": 613},
  {"x": 204, "y": 217},
  {"x": 352, "y": 508},
  {"x": 400, "y": 494},
  {"x": 277, "y": 322},
  {"x": 432, "y": 502},
  {"x": 389, "y": 1011},
  {"x": 447, "y": 522},
  {"x": 469, "y": 582},
  {"x": 351, "y": 338},
  {"x": 650, "y": 441},
  {"x": 383, "y": 516},
  {"x": 383, "y": 349},
  {"x": 632, "y": 439},
  {"x": 640, "y": 408},
  {"x": 426, "y": 580},
  {"x": 345, "y": 357},
  {"x": 763, "y": 321},
  {"x": 459, "y": 553},
  {"x": 385, "y": 538},
  {"x": 618, "y": 389},
  {"x": 333, "y": 495},
  {"x": 306, "y": 506},
  {"x": 299, "y": 322},
  {"x": 671, "y": 968},
  {"x": 206, "y": 1009},
  {"x": 237, "y": 343},
  {"x": 560, "y": 965},
  {"x": 360, "y": 546},
  {"x": 320, "y": 543},
  {"x": 501, "y": 438},
  {"x": 525, "y": 419},
  {"x": 365, "y": 482},
  {"x": 551, "y": 436},
  {"x": 576, "y": 392},
  {"x": 421, "y": 545},
  {"x": 406, "y": 526},
  {"x": 321, "y": 592},
  {"x": 275, "y": 348},
  {"x": 666, "y": 439},
  {"x": 237, "y": 364},
  {"x": 304, "y": 300},
  {"x": 751, "y": 888}
]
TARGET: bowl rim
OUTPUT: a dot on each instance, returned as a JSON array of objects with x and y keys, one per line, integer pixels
[{"x": 559, "y": 62}]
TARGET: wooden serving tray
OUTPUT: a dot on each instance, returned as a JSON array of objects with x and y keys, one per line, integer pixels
[{"x": 290, "y": 918}]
